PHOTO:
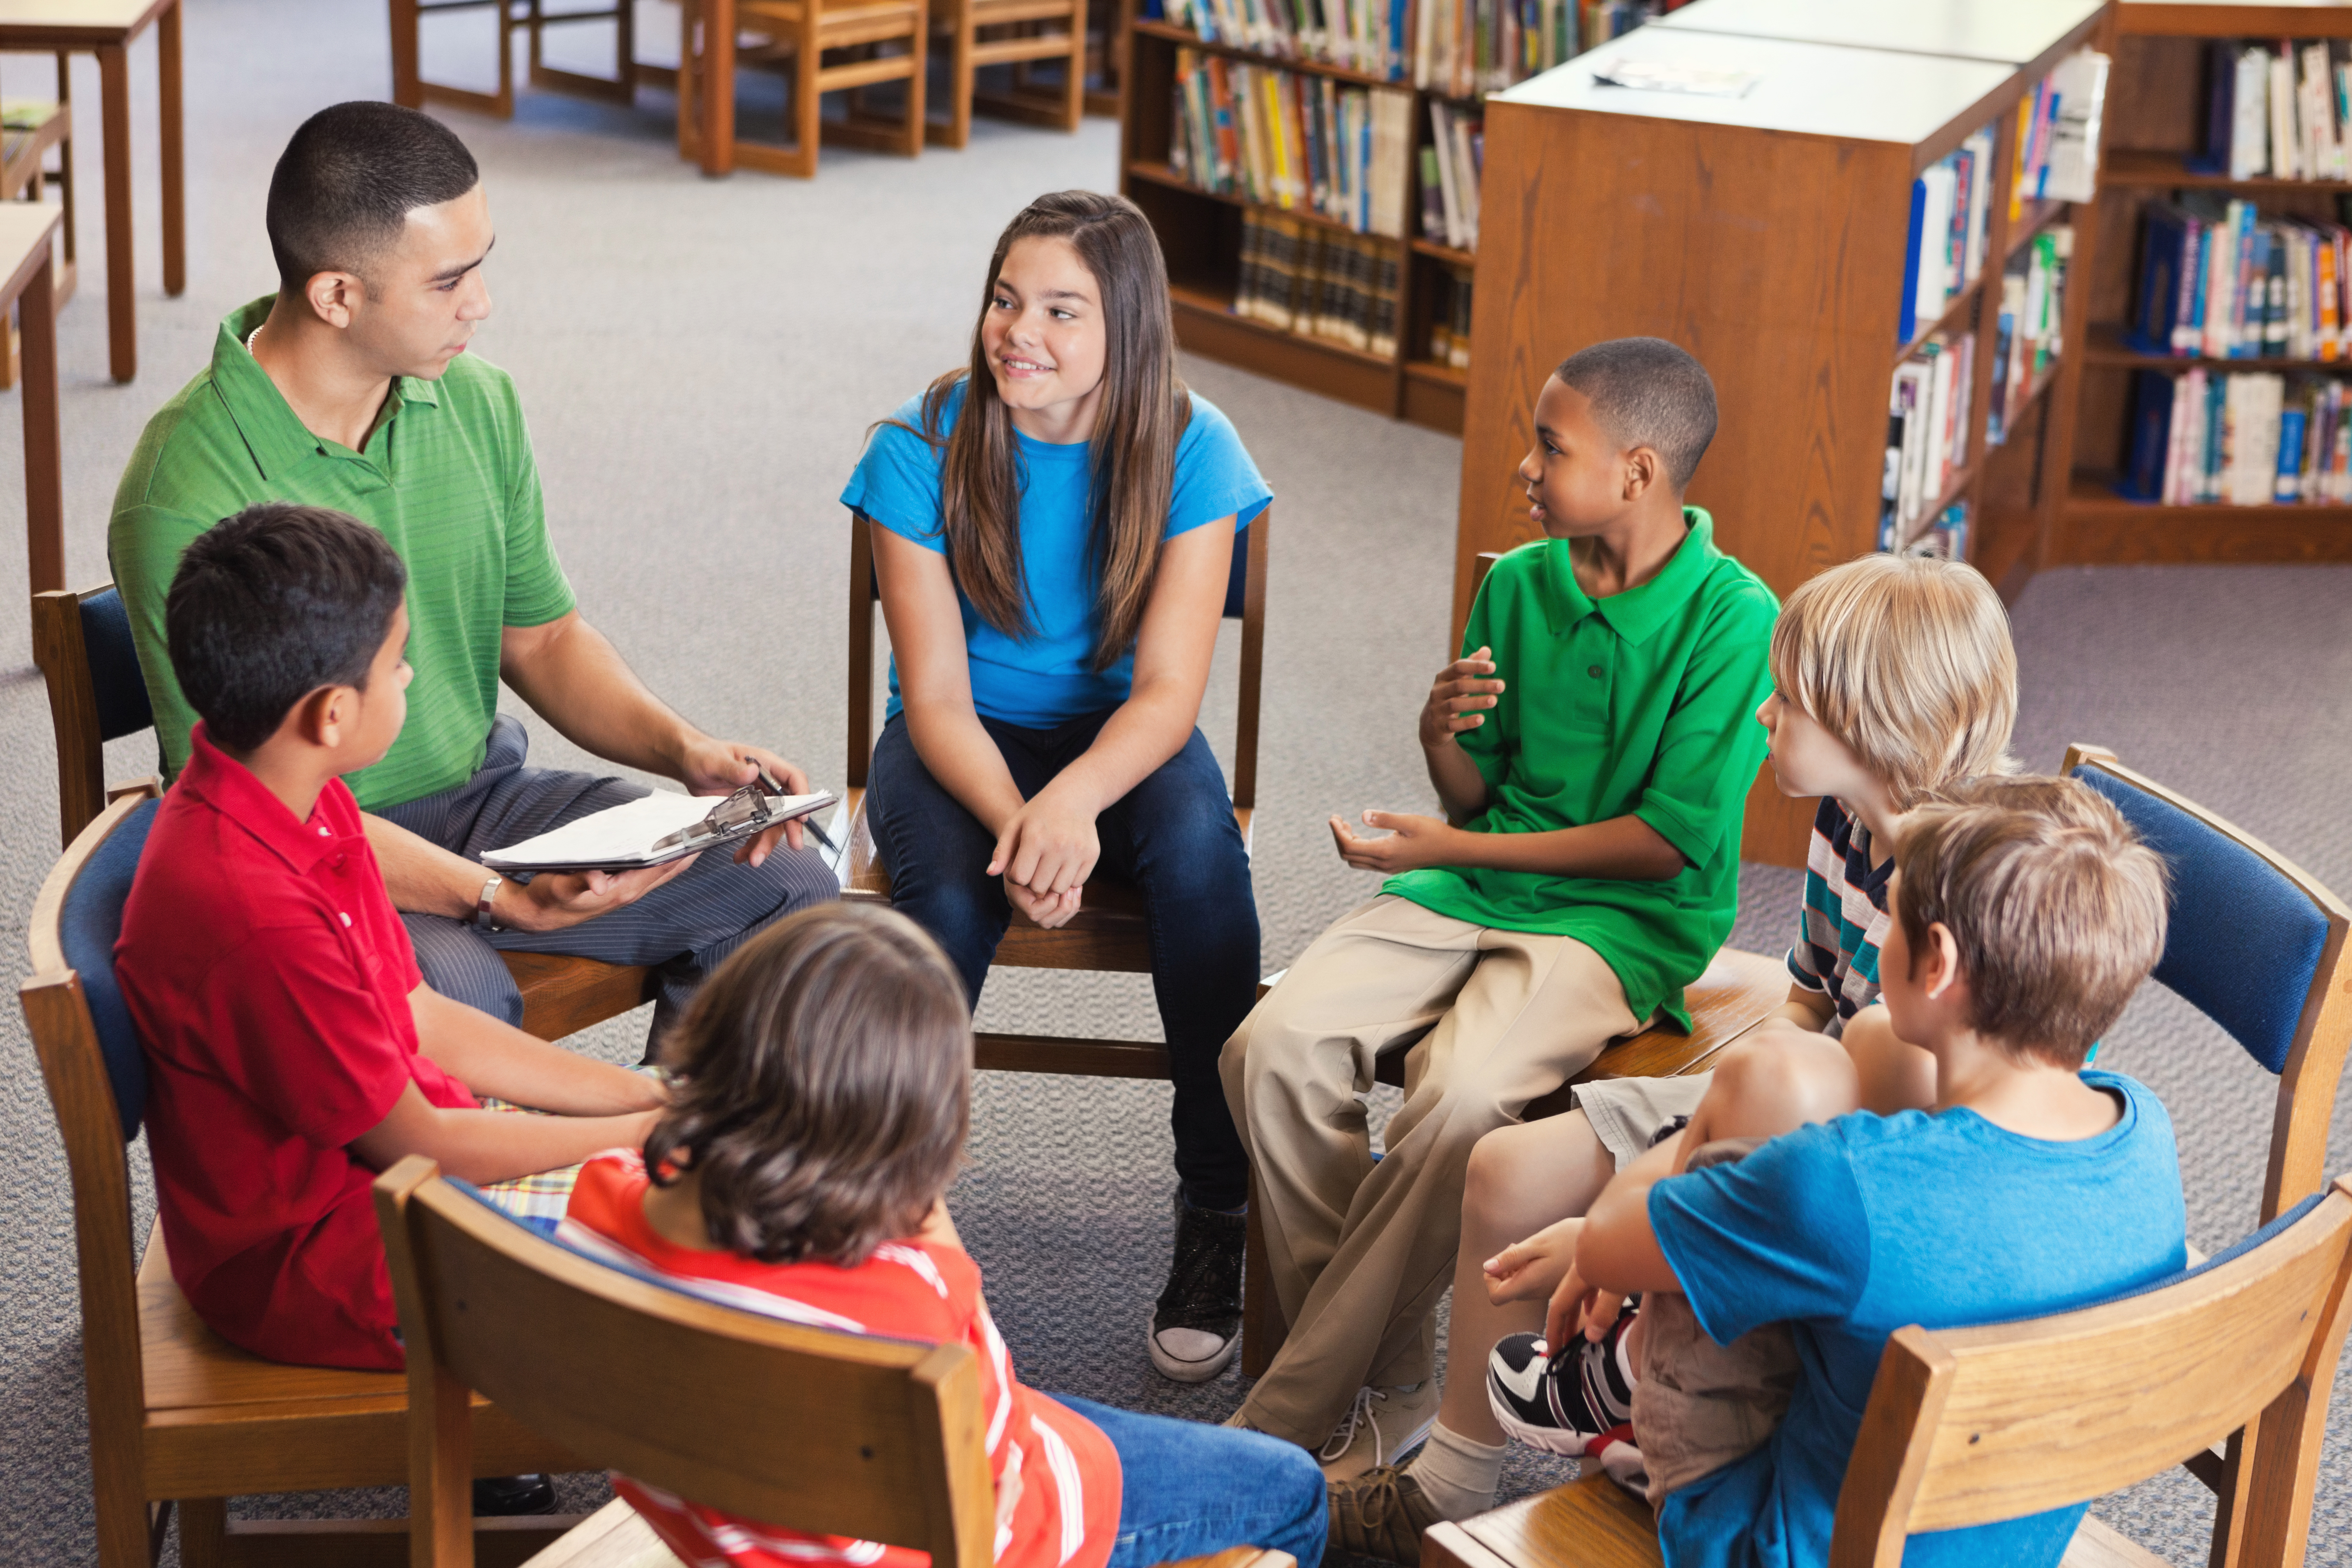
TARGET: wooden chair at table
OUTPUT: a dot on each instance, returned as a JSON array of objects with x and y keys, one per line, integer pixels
[
  {"x": 882, "y": 40},
  {"x": 838, "y": 1433},
  {"x": 83, "y": 645},
  {"x": 29, "y": 129},
  {"x": 177, "y": 1414},
  {"x": 1019, "y": 33},
  {"x": 410, "y": 88},
  {"x": 1973, "y": 1425}
]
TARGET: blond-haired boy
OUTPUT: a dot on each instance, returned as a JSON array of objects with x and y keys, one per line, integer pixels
[{"x": 1891, "y": 675}]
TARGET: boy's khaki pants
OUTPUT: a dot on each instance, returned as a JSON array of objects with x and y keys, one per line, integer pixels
[{"x": 1361, "y": 1250}]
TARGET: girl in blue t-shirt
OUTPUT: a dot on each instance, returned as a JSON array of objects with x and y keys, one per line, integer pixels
[{"x": 1053, "y": 527}]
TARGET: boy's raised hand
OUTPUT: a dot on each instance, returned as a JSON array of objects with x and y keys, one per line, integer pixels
[
  {"x": 1458, "y": 699},
  {"x": 1412, "y": 843},
  {"x": 1532, "y": 1270},
  {"x": 1580, "y": 1308}
]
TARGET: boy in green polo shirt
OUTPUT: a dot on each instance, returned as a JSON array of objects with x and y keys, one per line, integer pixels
[{"x": 1592, "y": 750}]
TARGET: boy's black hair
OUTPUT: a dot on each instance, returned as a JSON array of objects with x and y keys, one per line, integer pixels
[
  {"x": 271, "y": 605},
  {"x": 1645, "y": 392},
  {"x": 348, "y": 180}
]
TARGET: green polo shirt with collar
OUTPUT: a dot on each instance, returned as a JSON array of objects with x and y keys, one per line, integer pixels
[
  {"x": 1640, "y": 704},
  {"x": 447, "y": 475}
]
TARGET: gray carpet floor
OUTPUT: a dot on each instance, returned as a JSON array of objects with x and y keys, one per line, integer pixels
[{"x": 699, "y": 361}]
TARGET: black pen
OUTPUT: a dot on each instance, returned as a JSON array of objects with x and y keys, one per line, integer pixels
[{"x": 768, "y": 782}]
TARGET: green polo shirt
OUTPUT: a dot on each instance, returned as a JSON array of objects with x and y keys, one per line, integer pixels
[
  {"x": 447, "y": 475},
  {"x": 1640, "y": 704}
]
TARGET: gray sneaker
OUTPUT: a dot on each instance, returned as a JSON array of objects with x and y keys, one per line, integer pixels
[{"x": 1196, "y": 1326}]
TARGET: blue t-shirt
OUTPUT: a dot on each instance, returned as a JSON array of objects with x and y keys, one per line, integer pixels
[
  {"x": 1048, "y": 678},
  {"x": 1851, "y": 1230}
]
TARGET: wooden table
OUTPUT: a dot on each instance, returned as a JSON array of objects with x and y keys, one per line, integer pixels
[
  {"x": 26, "y": 229},
  {"x": 105, "y": 28}
]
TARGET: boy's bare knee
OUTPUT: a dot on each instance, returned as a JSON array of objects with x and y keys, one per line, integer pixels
[{"x": 1765, "y": 1088}]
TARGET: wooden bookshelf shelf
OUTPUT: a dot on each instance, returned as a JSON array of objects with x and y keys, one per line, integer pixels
[
  {"x": 1162, "y": 175},
  {"x": 1203, "y": 302},
  {"x": 1444, "y": 252},
  {"x": 2128, "y": 170},
  {"x": 2036, "y": 217},
  {"x": 1437, "y": 374},
  {"x": 1191, "y": 41},
  {"x": 1959, "y": 315},
  {"x": 2102, "y": 527},
  {"x": 2108, "y": 347}
]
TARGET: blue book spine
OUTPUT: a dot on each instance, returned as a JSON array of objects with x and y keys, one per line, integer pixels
[
  {"x": 2217, "y": 431},
  {"x": 2151, "y": 431},
  {"x": 2200, "y": 303},
  {"x": 2221, "y": 108},
  {"x": 1906, "y": 323},
  {"x": 2288, "y": 486},
  {"x": 2160, "y": 280}
]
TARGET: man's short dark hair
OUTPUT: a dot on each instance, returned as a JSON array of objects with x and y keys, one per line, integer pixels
[
  {"x": 271, "y": 605},
  {"x": 1645, "y": 392},
  {"x": 348, "y": 181}
]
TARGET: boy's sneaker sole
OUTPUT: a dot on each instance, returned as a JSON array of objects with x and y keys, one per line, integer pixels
[
  {"x": 1180, "y": 1370},
  {"x": 1558, "y": 1402}
]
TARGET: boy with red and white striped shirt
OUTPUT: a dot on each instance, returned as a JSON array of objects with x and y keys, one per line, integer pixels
[{"x": 799, "y": 1175}]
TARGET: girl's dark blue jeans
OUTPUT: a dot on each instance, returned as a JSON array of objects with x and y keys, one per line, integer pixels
[
  {"x": 1187, "y": 1489},
  {"x": 1174, "y": 836}
]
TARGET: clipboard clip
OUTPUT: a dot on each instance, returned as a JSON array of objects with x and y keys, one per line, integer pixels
[{"x": 749, "y": 807}]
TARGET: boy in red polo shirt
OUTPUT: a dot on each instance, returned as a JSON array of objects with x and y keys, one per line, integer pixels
[{"x": 292, "y": 1047}]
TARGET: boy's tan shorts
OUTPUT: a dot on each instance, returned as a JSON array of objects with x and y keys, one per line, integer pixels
[
  {"x": 1626, "y": 1112},
  {"x": 1698, "y": 1405}
]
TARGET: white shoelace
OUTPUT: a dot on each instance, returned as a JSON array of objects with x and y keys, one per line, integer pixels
[{"x": 1359, "y": 1414}]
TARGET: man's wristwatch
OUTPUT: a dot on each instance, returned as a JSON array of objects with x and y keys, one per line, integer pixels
[{"x": 482, "y": 917}]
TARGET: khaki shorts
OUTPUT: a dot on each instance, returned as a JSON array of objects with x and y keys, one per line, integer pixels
[
  {"x": 1626, "y": 1112},
  {"x": 1698, "y": 1405}
]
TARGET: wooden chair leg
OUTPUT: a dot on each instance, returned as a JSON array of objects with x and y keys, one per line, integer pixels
[
  {"x": 407, "y": 88},
  {"x": 1074, "y": 76},
  {"x": 808, "y": 102},
  {"x": 689, "y": 65},
  {"x": 204, "y": 1533},
  {"x": 956, "y": 131},
  {"x": 917, "y": 112}
]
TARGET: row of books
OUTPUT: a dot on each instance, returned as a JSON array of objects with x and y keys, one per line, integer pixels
[
  {"x": 1366, "y": 36},
  {"x": 2217, "y": 281},
  {"x": 1468, "y": 49},
  {"x": 1290, "y": 140},
  {"x": 1449, "y": 318},
  {"x": 1927, "y": 431},
  {"x": 2239, "y": 439},
  {"x": 1305, "y": 278},
  {"x": 1451, "y": 162},
  {"x": 2033, "y": 308},
  {"x": 1952, "y": 219},
  {"x": 1945, "y": 537},
  {"x": 2058, "y": 126},
  {"x": 2281, "y": 110}
]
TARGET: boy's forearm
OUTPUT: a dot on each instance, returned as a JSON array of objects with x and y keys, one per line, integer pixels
[
  {"x": 1618, "y": 1250},
  {"x": 489, "y": 1056},
  {"x": 1623, "y": 848},
  {"x": 1460, "y": 787},
  {"x": 483, "y": 1146}
]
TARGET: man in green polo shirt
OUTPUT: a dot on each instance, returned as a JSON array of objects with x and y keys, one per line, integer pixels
[
  {"x": 351, "y": 388},
  {"x": 1592, "y": 750}
]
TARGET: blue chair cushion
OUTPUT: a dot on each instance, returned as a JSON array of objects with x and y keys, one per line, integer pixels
[
  {"x": 114, "y": 673},
  {"x": 2245, "y": 943},
  {"x": 87, "y": 927}
]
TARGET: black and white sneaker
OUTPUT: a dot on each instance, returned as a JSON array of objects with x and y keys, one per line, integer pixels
[
  {"x": 1561, "y": 1401},
  {"x": 1197, "y": 1324}
]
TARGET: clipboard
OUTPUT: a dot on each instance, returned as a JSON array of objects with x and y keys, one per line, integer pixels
[{"x": 657, "y": 828}]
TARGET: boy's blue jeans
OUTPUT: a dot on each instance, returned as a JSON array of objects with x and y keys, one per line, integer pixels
[
  {"x": 1172, "y": 836},
  {"x": 1189, "y": 1489}
]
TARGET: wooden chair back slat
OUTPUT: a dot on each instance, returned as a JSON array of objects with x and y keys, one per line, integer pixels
[
  {"x": 73, "y": 708},
  {"x": 2297, "y": 1162},
  {"x": 1973, "y": 1425},
  {"x": 835, "y": 1433}
]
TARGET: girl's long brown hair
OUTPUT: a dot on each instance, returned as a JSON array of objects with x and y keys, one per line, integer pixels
[{"x": 1145, "y": 408}]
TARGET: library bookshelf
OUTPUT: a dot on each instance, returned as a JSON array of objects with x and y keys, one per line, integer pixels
[
  {"x": 1200, "y": 234},
  {"x": 1766, "y": 234},
  {"x": 2156, "y": 121}
]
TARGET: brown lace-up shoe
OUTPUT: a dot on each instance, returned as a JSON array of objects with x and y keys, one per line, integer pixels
[{"x": 1381, "y": 1513}]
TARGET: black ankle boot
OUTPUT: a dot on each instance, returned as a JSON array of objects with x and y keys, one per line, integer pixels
[
  {"x": 502, "y": 1497},
  {"x": 1197, "y": 1325}
]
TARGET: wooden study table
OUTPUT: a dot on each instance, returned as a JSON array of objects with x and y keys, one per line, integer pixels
[
  {"x": 107, "y": 29},
  {"x": 26, "y": 230}
]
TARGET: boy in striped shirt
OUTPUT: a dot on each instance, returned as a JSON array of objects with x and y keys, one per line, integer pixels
[{"x": 800, "y": 1175}]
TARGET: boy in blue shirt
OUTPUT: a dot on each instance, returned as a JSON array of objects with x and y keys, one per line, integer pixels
[{"x": 2026, "y": 914}]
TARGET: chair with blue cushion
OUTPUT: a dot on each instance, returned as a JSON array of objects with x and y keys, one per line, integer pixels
[
  {"x": 1969, "y": 1426},
  {"x": 2256, "y": 945},
  {"x": 814, "y": 1429},
  {"x": 83, "y": 644},
  {"x": 176, "y": 1413}
]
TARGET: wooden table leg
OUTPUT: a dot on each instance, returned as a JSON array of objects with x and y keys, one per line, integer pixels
[
  {"x": 719, "y": 87},
  {"x": 122, "y": 306},
  {"x": 44, "y": 519},
  {"x": 175, "y": 206}
]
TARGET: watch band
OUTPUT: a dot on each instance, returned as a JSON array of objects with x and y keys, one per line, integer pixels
[{"x": 482, "y": 904}]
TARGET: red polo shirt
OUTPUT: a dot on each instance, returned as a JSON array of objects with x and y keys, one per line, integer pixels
[{"x": 268, "y": 976}]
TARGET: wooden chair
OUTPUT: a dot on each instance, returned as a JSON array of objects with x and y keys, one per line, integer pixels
[
  {"x": 83, "y": 644},
  {"x": 840, "y": 1434},
  {"x": 410, "y": 89},
  {"x": 175, "y": 1411},
  {"x": 1019, "y": 33},
  {"x": 29, "y": 129},
  {"x": 874, "y": 41},
  {"x": 1973, "y": 1425}
]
